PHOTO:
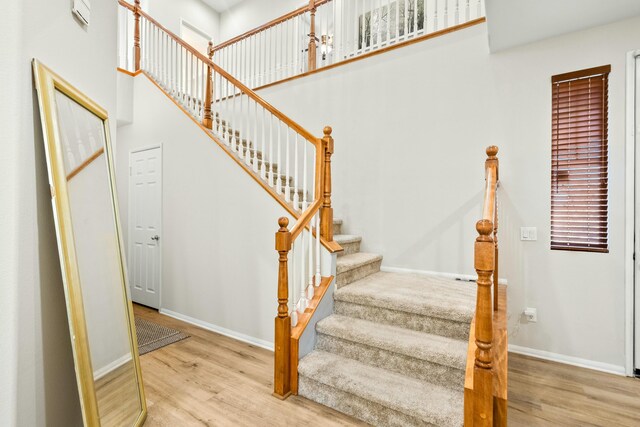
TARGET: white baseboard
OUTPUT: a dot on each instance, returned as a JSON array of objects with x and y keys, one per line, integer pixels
[
  {"x": 568, "y": 360},
  {"x": 219, "y": 329},
  {"x": 466, "y": 277},
  {"x": 111, "y": 366}
]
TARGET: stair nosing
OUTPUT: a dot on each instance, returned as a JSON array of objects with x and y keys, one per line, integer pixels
[
  {"x": 432, "y": 357},
  {"x": 374, "y": 258},
  {"x": 345, "y": 295},
  {"x": 417, "y": 411}
]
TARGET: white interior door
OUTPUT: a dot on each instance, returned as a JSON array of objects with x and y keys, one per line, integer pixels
[{"x": 145, "y": 225}]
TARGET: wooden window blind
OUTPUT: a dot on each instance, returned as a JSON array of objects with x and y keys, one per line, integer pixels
[{"x": 579, "y": 165}]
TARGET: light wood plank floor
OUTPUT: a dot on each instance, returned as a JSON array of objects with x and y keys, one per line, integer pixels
[
  {"x": 212, "y": 380},
  {"x": 543, "y": 393}
]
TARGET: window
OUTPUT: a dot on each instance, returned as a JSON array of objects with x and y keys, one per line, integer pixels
[{"x": 579, "y": 161}]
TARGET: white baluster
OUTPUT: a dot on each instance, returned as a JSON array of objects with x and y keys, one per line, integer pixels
[
  {"x": 296, "y": 185},
  {"x": 271, "y": 174},
  {"x": 263, "y": 168},
  {"x": 317, "y": 251},
  {"x": 255, "y": 138},
  {"x": 435, "y": 16},
  {"x": 446, "y": 14},
  {"x": 287, "y": 188},
  {"x": 310, "y": 287},
  {"x": 406, "y": 18},
  {"x": 305, "y": 172},
  {"x": 364, "y": 16},
  {"x": 303, "y": 282},
  {"x": 279, "y": 174},
  {"x": 293, "y": 288}
]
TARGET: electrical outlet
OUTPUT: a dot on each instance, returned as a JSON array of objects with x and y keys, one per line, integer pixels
[
  {"x": 528, "y": 234},
  {"x": 531, "y": 314}
]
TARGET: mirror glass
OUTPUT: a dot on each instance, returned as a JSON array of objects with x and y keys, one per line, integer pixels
[{"x": 100, "y": 312}]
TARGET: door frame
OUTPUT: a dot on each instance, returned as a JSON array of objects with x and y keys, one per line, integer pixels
[
  {"x": 129, "y": 225},
  {"x": 631, "y": 229}
]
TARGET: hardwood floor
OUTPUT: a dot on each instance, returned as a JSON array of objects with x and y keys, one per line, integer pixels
[
  {"x": 543, "y": 393},
  {"x": 212, "y": 380}
]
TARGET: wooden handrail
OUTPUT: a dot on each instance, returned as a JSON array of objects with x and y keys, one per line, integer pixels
[
  {"x": 250, "y": 93},
  {"x": 485, "y": 264},
  {"x": 269, "y": 24}
]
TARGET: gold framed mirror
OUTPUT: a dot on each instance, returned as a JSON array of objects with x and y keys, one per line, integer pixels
[{"x": 83, "y": 193}]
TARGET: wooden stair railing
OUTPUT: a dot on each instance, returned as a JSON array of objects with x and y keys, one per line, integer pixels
[
  {"x": 327, "y": 33},
  {"x": 294, "y": 311},
  {"x": 291, "y": 163},
  {"x": 485, "y": 379}
]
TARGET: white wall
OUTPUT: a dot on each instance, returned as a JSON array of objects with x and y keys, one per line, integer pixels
[
  {"x": 410, "y": 129},
  {"x": 219, "y": 264},
  {"x": 169, "y": 12},
  {"x": 250, "y": 14},
  {"x": 36, "y": 364}
]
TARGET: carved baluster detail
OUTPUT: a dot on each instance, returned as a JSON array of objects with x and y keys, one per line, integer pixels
[
  {"x": 136, "y": 35},
  {"x": 482, "y": 375},
  {"x": 492, "y": 161},
  {"x": 282, "y": 379},
  {"x": 207, "y": 118},
  {"x": 312, "y": 36},
  {"x": 326, "y": 212}
]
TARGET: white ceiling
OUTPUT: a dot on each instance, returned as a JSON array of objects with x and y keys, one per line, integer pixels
[
  {"x": 222, "y": 5},
  {"x": 515, "y": 22}
]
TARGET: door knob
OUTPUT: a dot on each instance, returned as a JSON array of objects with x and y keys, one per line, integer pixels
[{"x": 156, "y": 238}]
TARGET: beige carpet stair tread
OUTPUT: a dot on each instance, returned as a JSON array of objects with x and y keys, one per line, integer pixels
[
  {"x": 347, "y": 238},
  {"x": 429, "y": 296},
  {"x": 350, "y": 262},
  {"x": 431, "y": 403},
  {"x": 434, "y": 348}
]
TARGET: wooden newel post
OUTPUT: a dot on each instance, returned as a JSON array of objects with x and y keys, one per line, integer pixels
[
  {"x": 136, "y": 35},
  {"x": 492, "y": 159},
  {"x": 282, "y": 345},
  {"x": 207, "y": 118},
  {"x": 312, "y": 36},
  {"x": 482, "y": 371},
  {"x": 326, "y": 211}
]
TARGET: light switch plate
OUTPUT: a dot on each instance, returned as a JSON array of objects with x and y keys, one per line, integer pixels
[{"x": 529, "y": 234}]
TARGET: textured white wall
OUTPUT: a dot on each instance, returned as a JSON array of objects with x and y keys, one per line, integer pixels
[
  {"x": 410, "y": 129},
  {"x": 36, "y": 364},
  {"x": 219, "y": 264}
]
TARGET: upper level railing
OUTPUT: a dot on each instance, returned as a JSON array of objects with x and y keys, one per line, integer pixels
[
  {"x": 328, "y": 32},
  {"x": 291, "y": 163},
  {"x": 486, "y": 265}
]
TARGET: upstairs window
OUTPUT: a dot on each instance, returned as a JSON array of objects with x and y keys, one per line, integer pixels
[{"x": 579, "y": 160}]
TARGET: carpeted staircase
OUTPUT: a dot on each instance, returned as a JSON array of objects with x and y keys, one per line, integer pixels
[{"x": 394, "y": 351}]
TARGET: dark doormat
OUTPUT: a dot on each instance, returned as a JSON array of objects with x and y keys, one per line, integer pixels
[{"x": 152, "y": 336}]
